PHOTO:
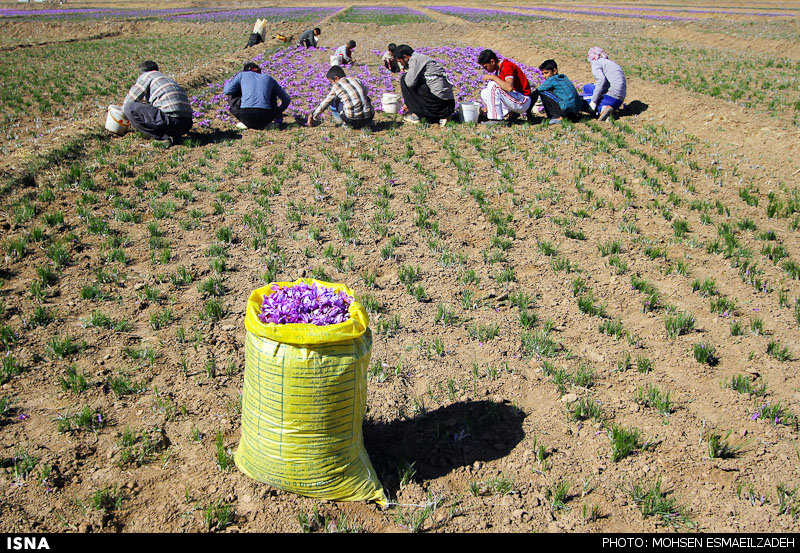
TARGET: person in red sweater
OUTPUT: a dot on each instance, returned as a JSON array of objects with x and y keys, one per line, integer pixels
[{"x": 507, "y": 94}]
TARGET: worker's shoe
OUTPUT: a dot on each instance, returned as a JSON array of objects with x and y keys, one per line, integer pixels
[
  {"x": 443, "y": 122},
  {"x": 241, "y": 126},
  {"x": 166, "y": 142},
  {"x": 413, "y": 118},
  {"x": 276, "y": 125},
  {"x": 607, "y": 110}
]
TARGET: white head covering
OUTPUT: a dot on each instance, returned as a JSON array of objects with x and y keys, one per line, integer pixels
[{"x": 596, "y": 53}]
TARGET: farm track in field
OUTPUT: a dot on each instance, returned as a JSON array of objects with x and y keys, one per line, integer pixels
[
  {"x": 100, "y": 36},
  {"x": 506, "y": 272}
]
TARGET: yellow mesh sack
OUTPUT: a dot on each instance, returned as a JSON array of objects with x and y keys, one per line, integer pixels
[{"x": 303, "y": 404}]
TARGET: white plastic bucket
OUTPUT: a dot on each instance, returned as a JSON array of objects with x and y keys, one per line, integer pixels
[
  {"x": 335, "y": 60},
  {"x": 470, "y": 112},
  {"x": 116, "y": 121},
  {"x": 390, "y": 102}
]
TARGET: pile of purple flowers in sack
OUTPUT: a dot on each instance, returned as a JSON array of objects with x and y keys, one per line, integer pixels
[{"x": 304, "y": 303}]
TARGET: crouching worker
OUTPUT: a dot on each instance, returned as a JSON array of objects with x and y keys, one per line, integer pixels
[
  {"x": 309, "y": 38},
  {"x": 608, "y": 92},
  {"x": 257, "y": 36},
  {"x": 345, "y": 52},
  {"x": 157, "y": 106},
  {"x": 253, "y": 98},
  {"x": 426, "y": 91},
  {"x": 254, "y": 40},
  {"x": 507, "y": 94},
  {"x": 350, "y": 106},
  {"x": 559, "y": 96},
  {"x": 389, "y": 61}
]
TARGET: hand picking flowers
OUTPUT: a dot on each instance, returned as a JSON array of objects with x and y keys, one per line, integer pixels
[{"x": 303, "y": 303}]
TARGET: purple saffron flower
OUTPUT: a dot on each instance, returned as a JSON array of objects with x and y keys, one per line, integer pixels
[{"x": 303, "y": 303}]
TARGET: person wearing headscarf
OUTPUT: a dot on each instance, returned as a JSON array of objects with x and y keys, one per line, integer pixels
[{"x": 609, "y": 90}]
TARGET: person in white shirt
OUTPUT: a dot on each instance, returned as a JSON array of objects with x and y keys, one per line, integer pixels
[
  {"x": 345, "y": 52},
  {"x": 389, "y": 61}
]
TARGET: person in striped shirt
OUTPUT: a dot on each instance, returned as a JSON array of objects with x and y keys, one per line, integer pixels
[
  {"x": 157, "y": 106},
  {"x": 348, "y": 100}
]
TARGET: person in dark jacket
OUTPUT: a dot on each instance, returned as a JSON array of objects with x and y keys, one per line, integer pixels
[
  {"x": 254, "y": 40},
  {"x": 427, "y": 93},
  {"x": 254, "y": 96},
  {"x": 309, "y": 38}
]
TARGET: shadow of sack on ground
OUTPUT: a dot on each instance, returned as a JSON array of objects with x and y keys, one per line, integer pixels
[{"x": 439, "y": 441}]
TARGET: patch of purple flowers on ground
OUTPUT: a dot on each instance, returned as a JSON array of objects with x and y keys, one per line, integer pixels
[
  {"x": 482, "y": 14},
  {"x": 95, "y": 13},
  {"x": 301, "y": 72},
  {"x": 408, "y": 14},
  {"x": 270, "y": 14},
  {"x": 303, "y": 303},
  {"x": 608, "y": 14},
  {"x": 646, "y": 8},
  {"x": 387, "y": 10}
]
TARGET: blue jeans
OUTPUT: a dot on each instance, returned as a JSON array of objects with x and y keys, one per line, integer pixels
[
  {"x": 605, "y": 99},
  {"x": 338, "y": 115}
]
